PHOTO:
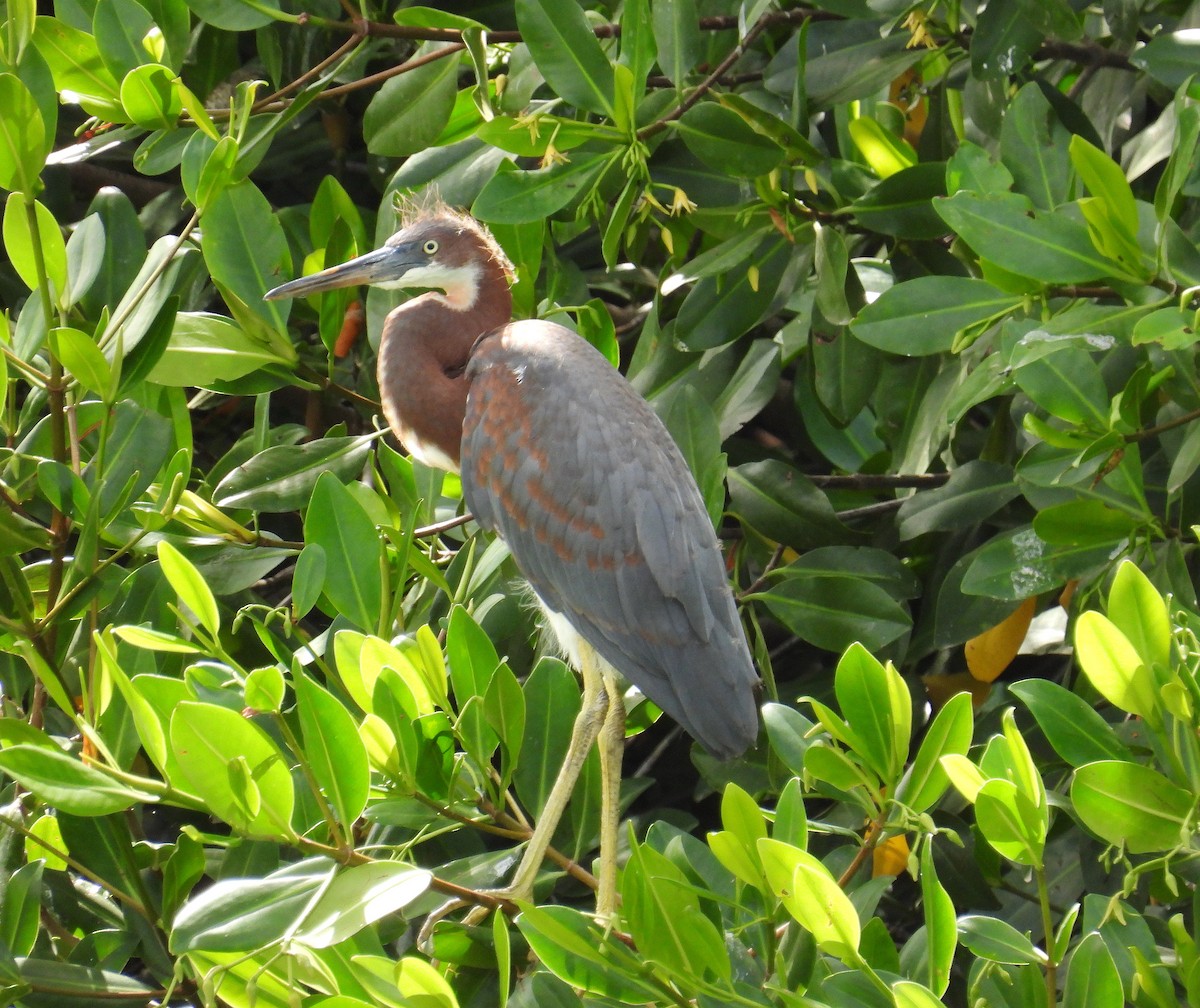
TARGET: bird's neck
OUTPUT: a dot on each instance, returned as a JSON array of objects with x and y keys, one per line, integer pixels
[{"x": 423, "y": 356}]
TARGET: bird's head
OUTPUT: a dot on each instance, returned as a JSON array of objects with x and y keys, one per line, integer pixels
[{"x": 436, "y": 249}]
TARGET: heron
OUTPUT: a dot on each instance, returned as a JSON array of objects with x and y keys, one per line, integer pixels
[{"x": 570, "y": 466}]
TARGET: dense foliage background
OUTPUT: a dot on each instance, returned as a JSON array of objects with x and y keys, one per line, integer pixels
[{"x": 915, "y": 288}]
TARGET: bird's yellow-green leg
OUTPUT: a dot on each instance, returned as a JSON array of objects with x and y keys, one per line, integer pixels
[
  {"x": 612, "y": 748},
  {"x": 595, "y": 707}
]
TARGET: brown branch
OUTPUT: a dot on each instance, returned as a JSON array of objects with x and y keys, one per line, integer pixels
[
  {"x": 437, "y": 528},
  {"x": 707, "y": 84},
  {"x": 1149, "y": 432}
]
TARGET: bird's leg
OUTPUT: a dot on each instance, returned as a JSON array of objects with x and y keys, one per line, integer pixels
[
  {"x": 612, "y": 748},
  {"x": 596, "y": 703}
]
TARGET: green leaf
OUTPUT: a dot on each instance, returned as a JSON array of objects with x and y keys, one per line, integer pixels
[
  {"x": 67, "y": 784},
  {"x": 205, "y": 349},
  {"x": 88, "y": 984},
  {"x": 1071, "y": 725},
  {"x": 1067, "y": 384},
  {"x": 723, "y": 140},
  {"x": 1005, "y": 229},
  {"x": 151, "y": 98},
  {"x": 20, "y": 241},
  {"x": 1004, "y": 39},
  {"x": 334, "y": 751},
  {"x": 408, "y": 113},
  {"x": 720, "y": 308},
  {"x": 1034, "y": 148},
  {"x": 788, "y": 731},
  {"x": 677, "y": 37},
  {"x": 23, "y": 141},
  {"x": 1140, "y": 613},
  {"x": 834, "y": 611},
  {"x": 1092, "y": 980},
  {"x": 235, "y": 15},
  {"x": 1170, "y": 57},
  {"x": 245, "y": 249},
  {"x": 551, "y": 704},
  {"x": 517, "y": 197},
  {"x": 338, "y": 524},
  {"x": 567, "y": 53},
  {"x": 282, "y": 477},
  {"x": 190, "y": 586},
  {"x": 997, "y": 941},
  {"x": 84, "y": 361},
  {"x": 203, "y": 737},
  {"x": 877, "y": 706},
  {"x": 783, "y": 505},
  {"x": 1018, "y": 564},
  {"x": 665, "y": 920},
  {"x": 359, "y": 896},
  {"x": 941, "y": 929},
  {"x": 1010, "y": 822},
  {"x": 812, "y": 896},
  {"x": 1114, "y": 667},
  {"x": 885, "y": 153},
  {"x": 584, "y": 955},
  {"x": 949, "y": 732},
  {"x": 1134, "y": 805},
  {"x": 902, "y": 204},
  {"x": 923, "y": 316},
  {"x": 233, "y": 915},
  {"x": 471, "y": 656},
  {"x": 74, "y": 58}
]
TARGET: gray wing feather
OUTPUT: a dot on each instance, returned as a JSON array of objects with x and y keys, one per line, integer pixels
[{"x": 579, "y": 477}]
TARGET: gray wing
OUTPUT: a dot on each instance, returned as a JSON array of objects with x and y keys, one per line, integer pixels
[{"x": 582, "y": 481}]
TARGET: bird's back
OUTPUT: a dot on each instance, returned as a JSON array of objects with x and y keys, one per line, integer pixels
[{"x": 580, "y": 478}]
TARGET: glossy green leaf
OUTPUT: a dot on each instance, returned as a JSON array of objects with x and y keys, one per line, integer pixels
[
  {"x": 1018, "y": 564},
  {"x": 83, "y": 983},
  {"x": 205, "y": 349},
  {"x": 788, "y": 732},
  {"x": 1004, "y": 39},
  {"x": 234, "y": 915},
  {"x": 1010, "y": 822},
  {"x": 192, "y": 589},
  {"x": 923, "y": 316},
  {"x": 359, "y": 896},
  {"x": 244, "y": 247},
  {"x": 665, "y": 919},
  {"x": 204, "y": 738},
  {"x": 724, "y": 140},
  {"x": 902, "y": 204},
  {"x": 949, "y": 733},
  {"x": 1092, "y": 980},
  {"x": 150, "y": 97},
  {"x": 885, "y": 152},
  {"x": 1132, "y": 804},
  {"x": 1034, "y": 148},
  {"x": 997, "y": 941},
  {"x": 834, "y": 611},
  {"x": 339, "y": 525},
  {"x": 1006, "y": 230},
  {"x": 282, "y": 477},
  {"x": 66, "y": 783},
  {"x": 578, "y": 951},
  {"x": 941, "y": 929},
  {"x": 234, "y": 15},
  {"x": 1071, "y": 725},
  {"x": 567, "y": 53},
  {"x": 551, "y": 704},
  {"x": 333, "y": 751},
  {"x": 1140, "y": 613},
  {"x": 783, "y": 505},
  {"x": 74, "y": 58},
  {"x": 1170, "y": 57},
  {"x": 677, "y": 37},
  {"x": 83, "y": 360},
  {"x": 516, "y": 197},
  {"x": 877, "y": 706},
  {"x": 810, "y": 894},
  {"x": 1114, "y": 667},
  {"x": 408, "y": 113},
  {"x": 34, "y": 251},
  {"x": 23, "y": 141}
]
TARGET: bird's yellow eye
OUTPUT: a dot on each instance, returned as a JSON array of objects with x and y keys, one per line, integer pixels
[{"x": 430, "y": 247}]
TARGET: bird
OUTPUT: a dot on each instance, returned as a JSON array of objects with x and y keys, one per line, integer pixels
[{"x": 574, "y": 471}]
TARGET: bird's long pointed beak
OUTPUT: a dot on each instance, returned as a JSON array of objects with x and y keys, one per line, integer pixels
[{"x": 387, "y": 263}]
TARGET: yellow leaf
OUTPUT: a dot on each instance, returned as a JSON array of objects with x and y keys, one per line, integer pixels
[
  {"x": 992, "y": 651},
  {"x": 940, "y": 688},
  {"x": 890, "y": 857}
]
